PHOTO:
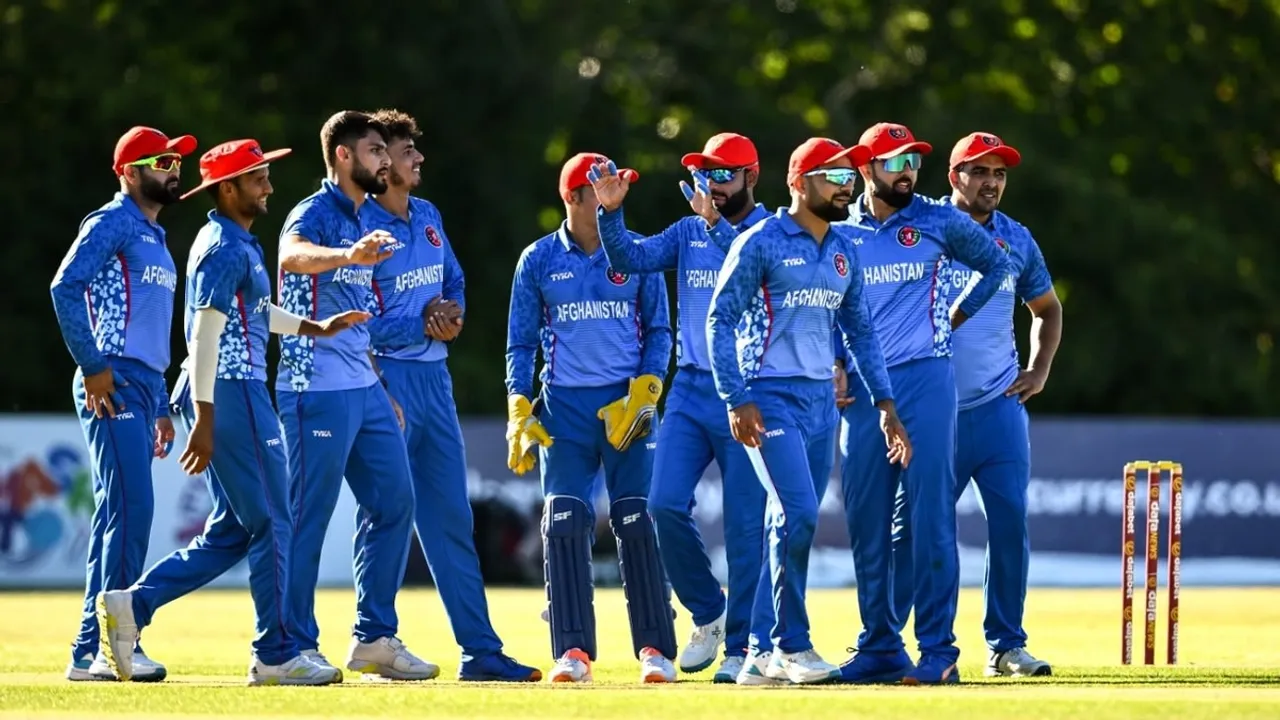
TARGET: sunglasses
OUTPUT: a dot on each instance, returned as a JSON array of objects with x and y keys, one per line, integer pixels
[
  {"x": 163, "y": 163},
  {"x": 905, "y": 161},
  {"x": 720, "y": 176},
  {"x": 835, "y": 176}
]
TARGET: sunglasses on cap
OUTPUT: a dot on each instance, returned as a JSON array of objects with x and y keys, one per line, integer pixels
[
  {"x": 905, "y": 161},
  {"x": 163, "y": 163},
  {"x": 835, "y": 176},
  {"x": 720, "y": 176}
]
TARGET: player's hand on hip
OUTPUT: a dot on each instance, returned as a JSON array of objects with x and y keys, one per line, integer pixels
[
  {"x": 841, "y": 380},
  {"x": 524, "y": 435},
  {"x": 164, "y": 437},
  {"x": 895, "y": 434},
  {"x": 699, "y": 197},
  {"x": 195, "y": 458},
  {"x": 1027, "y": 384},
  {"x": 100, "y": 396},
  {"x": 631, "y": 416},
  {"x": 747, "y": 424},
  {"x": 335, "y": 324},
  {"x": 442, "y": 319},
  {"x": 611, "y": 186},
  {"x": 371, "y": 249}
]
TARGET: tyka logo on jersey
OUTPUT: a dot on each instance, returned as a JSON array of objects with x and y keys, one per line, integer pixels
[
  {"x": 841, "y": 263},
  {"x": 433, "y": 237},
  {"x": 908, "y": 237},
  {"x": 615, "y": 277}
]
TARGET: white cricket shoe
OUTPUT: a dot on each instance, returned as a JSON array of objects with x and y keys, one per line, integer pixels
[
  {"x": 389, "y": 659},
  {"x": 704, "y": 645},
  {"x": 654, "y": 668},
  {"x": 318, "y": 659},
  {"x": 298, "y": 671},
  {"x": 1016, "y": 663},
  {"x": 95, "y": 668},
  {"x": 729, "y": 669},
  {"x": 754, "y": 667},
  {"x": 118, "y": 631},
  {"x": 801, "y": 668},
  {"x": 573, "y": 667}
]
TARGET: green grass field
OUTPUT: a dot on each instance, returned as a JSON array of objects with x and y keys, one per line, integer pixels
[{"x": 1229, "y": 669}]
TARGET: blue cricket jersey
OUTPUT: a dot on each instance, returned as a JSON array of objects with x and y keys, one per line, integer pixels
[
  {"x": 908, "y": 273},
  {"x": 327, "y": 218},
  {"x": 986, "y": 354},
  {"x": 422, "y": 268},
  {"x": 597, "y": 326},
  {"x": 794, "y": 291},
  {"x": 113, "y": 293},
  {"x": 695, "y": 253},
  {"x": 226, "y": 271}
]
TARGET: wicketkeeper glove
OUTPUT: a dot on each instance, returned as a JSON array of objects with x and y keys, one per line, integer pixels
[
  {"x": 630, "y": 417},
  {"x": 523, "y": 432}
]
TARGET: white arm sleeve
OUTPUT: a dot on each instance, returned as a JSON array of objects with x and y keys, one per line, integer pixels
[
  {"x": 206, "y": 332},
  {"x": 282, "y": 322}
]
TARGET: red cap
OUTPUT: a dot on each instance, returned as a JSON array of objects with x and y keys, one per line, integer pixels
[
  {"x": 230, "y": 159},
  {"x": 889, "y": 139},
  {"x": 975, "y": 145},
  {"x": 574, "y": 173},
  {"x": 728, "y": 149},
  {"x": 144, "y": 142},
  {"x": 818, "y": 151}
]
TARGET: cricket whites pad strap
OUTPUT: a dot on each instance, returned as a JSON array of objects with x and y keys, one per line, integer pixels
[
  {"x": 206, "y": 334},
  {"x": 283, "y": 322},
  {"x": 568, "y": 529},
  {"x": 643, "y": 580}
]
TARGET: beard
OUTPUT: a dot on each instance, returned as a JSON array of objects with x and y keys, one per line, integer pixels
[
  {"x": 830, "y": 210},
  {"x": 735, "y": 203},
  {"x": 890, "y": 195},
  {"x": 398, "y": 180},
  {"x": 367, "y": 180},
  {"x": 161, "y": 191}
]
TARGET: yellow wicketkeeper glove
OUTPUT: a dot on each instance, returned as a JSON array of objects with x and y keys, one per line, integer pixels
[
  {"x": 523, "y": 432},
  {"x": 630, "y": 417}
]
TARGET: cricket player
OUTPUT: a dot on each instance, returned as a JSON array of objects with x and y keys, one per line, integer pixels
[
  {"x": 797, "y": 277},
  {"x": 418, "y": 312},
  {"x": 992, "y": 442},
  {"x": 694, "y": 429},
  {"x": 605, "y": 338},
  {"x": 908, "y": 244},
  {"x": 237, "y": 446},
  {"x": 338, "y": 418},
  {"x": 113, "y": 296}
]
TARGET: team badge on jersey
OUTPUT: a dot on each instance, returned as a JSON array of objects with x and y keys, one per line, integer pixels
[
  {"x": 841, "y": 263},
  {"x": 908, "y": 237},
  {"x": 433, "y": 237},
  {"x": 1000, "y": 243},
  {"x": 615, "y": 277}
]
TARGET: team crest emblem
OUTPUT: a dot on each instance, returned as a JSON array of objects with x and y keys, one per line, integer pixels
[
  {"x": 990, "y": 140},
  {"x": 615, "y": 277},
  {"x": 897, "y": 133},
  {"x": 841, "y": 263},
  {"x": 1000, "y": 243},
  {"x": 433, "y": 237},
  {"x": 908, "y": 237},
  {"x": 255, "y": 151}
]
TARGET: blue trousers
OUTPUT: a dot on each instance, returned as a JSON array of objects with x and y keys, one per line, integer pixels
[
  {"x": 993, "y": 447},
  {"x": 248, "y": 481},
  {"x": 796, "y": 454},
  {"x": 121, "y": 450},
  {"x": 351, "y": 433},
  {"x": 925, "y": 394},
  {"x": 438, "y": 462},
  {"x": 695, "y": 431}
]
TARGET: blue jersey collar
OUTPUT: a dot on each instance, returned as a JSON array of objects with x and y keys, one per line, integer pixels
[
  {"x": 758, "y": 213},
  {"x": 338, "y": 197},
  {"x": 231, "y": 228},
  {"x": 990, "y": 224},
  {"x": 566, "y": 240},
  {"x": 132, "y": 207}
]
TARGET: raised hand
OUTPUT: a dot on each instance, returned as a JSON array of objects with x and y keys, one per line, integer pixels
[
  {"x": 699, "y": 197},
  {"x": 610, "y": 186},
  {"x": 371, "y": 249}
]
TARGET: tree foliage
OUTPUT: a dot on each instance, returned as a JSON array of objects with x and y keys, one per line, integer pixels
[{"x": 1147, "y": 126}]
